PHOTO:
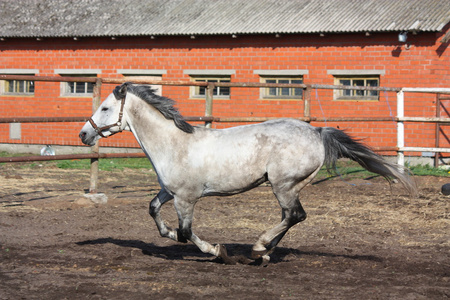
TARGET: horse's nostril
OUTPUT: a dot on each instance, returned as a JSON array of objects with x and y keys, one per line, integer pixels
[{"x": 82, "y": 134}]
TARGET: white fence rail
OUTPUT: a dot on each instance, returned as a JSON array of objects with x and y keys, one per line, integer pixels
[{"x": 401, "y": 119}]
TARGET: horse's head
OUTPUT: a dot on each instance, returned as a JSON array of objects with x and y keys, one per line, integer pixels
[{"x": 108, "y": 119}]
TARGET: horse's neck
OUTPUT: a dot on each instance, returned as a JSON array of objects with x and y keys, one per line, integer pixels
[{"x": 158, "y": 137}]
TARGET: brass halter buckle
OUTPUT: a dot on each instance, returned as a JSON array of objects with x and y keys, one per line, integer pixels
[{"x": 99, "y": 130}]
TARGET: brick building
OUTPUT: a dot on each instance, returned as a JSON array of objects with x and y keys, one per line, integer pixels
[{"x": 401, "y": 43}]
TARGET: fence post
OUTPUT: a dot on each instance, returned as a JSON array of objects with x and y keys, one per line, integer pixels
[
  {"x": 400, "y": 128},
  {"x": 307, "y": 103},
  {"x": 96, "y": 99},
  {"x": 437, "y": 130},
  {"x": 209, "y": 103}
]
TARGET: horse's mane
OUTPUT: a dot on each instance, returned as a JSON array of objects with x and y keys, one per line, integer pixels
[{"x": 165, "y": 106}]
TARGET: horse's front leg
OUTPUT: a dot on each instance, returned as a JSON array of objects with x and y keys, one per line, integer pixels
[
  {"x": 154, "y": 210},
  {"x": 185, "y": 211}
]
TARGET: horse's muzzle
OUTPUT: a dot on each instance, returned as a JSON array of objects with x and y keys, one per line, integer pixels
[
  {"x": 84, "y": 138},
  {"x": 82, "y": 135}
]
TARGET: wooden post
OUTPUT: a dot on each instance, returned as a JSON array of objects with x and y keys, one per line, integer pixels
[
  {"x": 96, "y": 99},
  {"x": 307, "y": 103},
  {"x": 209, "y": 103}
]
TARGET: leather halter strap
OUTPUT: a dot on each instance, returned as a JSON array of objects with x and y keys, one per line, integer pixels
[{"x": 99, "y": 130}]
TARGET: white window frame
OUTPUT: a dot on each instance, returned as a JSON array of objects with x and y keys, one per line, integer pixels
[
  {"x": 355, "y": 78},
  {"x": 4, "y": 84},
  {"x": 67, "y": 87},
  {"x": 281, "y": 76},
  {"x": 197, "y": 92},
  {"x": 137, "y": 74}
]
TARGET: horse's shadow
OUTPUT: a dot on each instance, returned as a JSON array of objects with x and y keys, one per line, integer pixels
[{"x": 237, "y": 252}]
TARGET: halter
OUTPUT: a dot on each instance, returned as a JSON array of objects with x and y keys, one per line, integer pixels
[{"x": 99, "y": 130}]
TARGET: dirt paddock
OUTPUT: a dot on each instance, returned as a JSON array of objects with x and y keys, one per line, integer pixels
[{"x": 360, "y": 241}]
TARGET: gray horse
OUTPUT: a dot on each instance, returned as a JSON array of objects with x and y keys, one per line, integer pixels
[{"x": 194, "y": 162}]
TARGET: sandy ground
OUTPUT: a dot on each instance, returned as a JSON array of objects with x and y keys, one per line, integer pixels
[{"x": 361, "y": 240}]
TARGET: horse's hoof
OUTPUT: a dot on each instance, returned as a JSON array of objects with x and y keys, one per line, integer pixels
[
  {"x": 265, "y": 260},
  {"x": 256, "y": 254},
  {"x": 222, "y": 253}
]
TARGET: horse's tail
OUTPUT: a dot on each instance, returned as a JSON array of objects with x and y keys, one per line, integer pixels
[{"x": 340, "y": 145}]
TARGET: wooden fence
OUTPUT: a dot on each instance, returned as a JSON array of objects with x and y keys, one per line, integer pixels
[{"x": 208, "y": 117}]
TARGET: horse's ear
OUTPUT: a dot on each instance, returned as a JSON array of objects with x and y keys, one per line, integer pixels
[{"x": 121, "y": 91}]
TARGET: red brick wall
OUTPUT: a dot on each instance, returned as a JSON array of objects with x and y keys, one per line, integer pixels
[{"x": 425, "y": 64}]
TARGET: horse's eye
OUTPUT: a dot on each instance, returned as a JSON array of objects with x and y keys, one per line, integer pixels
[{"x": 104, "y": 109}]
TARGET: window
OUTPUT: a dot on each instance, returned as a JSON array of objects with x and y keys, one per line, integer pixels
[
  {"x": 78, "y": 88},
  {"x": 357, "y": 94},
  {"x": 210, "y": 76},
  {"x": 83, "y": 89},
  {"x": 219, "y": 91},
  {"x": 363, "y": 78},
  {"x": 281, "y": 77},
  {"x": 17, "y": 87},
  {"x": 282, "y": 92},
  {"x": 133, "y": 75}
]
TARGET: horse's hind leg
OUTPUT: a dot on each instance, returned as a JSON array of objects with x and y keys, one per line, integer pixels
[
  {"x": 154, "y": 210},
  {"x": 292, "y": 213}
]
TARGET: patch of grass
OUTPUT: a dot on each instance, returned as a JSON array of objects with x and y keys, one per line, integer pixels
[
  {"x": 7, "y": 154},
  {"x": 107, "y": 164},
  {"x": 351, "y": 169},
  {"x": 427, "y": 170}
]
